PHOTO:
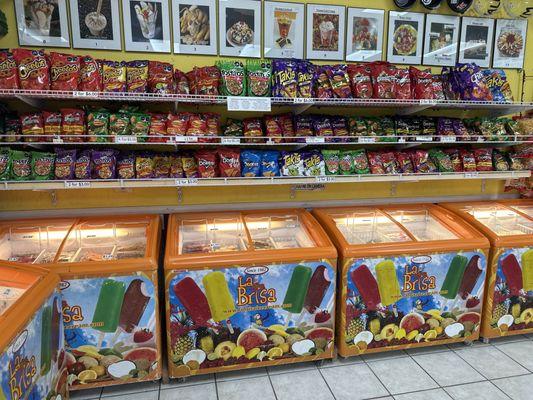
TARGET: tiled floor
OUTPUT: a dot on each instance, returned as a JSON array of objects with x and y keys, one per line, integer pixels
[{"x": 502, "y": 369}]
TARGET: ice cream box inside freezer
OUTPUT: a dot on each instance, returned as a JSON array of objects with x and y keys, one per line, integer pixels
[
  {"x": 277, "y": 232},
  {"x": 422, "y": 224}
]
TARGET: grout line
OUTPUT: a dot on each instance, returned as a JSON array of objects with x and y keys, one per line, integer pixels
[
  {"x": 216, "y": 385},
  {"x": 427, "y": 373},
  {"x": 516, "y": 361},
  {"x": 327, "y": 384},
  {"x": 272, "y": 385},
  {"x": 377, "y": 377}
]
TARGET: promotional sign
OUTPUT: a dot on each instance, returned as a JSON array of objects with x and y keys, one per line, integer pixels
[
  {"x": 510, "y": 43},
  {"x": 33, "y": 365},
  {"x": 406, "y": 34},
  {"x": 442, "y": 35},
  {"x": 511, "y": 310},
  {"x": 409, "y": 301},
  {"x": 251, "y": 316},
  {"x": 110, "y": 330},
  {"x": 284, "y": 30}
]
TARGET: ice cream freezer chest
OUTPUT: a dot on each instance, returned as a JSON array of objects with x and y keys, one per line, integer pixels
[
  {"x": 509, "y": 296},
  {"x": 32, "y": 354},
  {"x": 409, "y": 276},
  {"x": 247, "y": 289}
]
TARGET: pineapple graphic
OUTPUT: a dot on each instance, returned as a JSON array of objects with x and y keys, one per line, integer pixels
[
  {"x": 183, "y": 344},
  {"x": 501, "y": 303},
  {"x": 355, "y": 326}
]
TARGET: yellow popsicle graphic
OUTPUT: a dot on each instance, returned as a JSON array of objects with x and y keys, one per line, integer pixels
[
  {"x": 527, "y": 270},
  {"x": 389, "y": 289},
  {"x": 220, "y": 301}
]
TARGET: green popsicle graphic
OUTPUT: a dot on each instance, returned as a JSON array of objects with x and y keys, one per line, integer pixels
[
  {"x": 46, "y": 340},
  {"x": 454, "y": 277},
  {"x": 297, "y": 290},
  {"x": 107, "y": 312}
]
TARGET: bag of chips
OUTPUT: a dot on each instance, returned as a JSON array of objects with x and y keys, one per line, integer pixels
[
  {"x": 331, "y": 161},
  {"x": 253, "y": 128},
  {"x": 33, "y": 69},
  {"x": 126, "y": 166},
  {"x": 403, "y": 84},
  {"x": 9, "y": 78},
  {"x": 98, "y": 126},
  {"x": 104, "y": 164},
  {"x": 422, "y": 163},
  {"x": 114, "y": 76},
  {"x": 383, "y": 80},
  {"x": 197, "y": 125},
  {"x": 441, "y": 160},
  {"x": 323, "y": 88},
  {"x": 455, "y": 158},
  {"x": 339, "y": 81},
  {"x": 483, "y": 159},
  {"x": 229, "y": 162},
  {"x": 73, "y": 124},
  {"x": 422, "y": 83},
  {"x": 388, "y": 160},
  {"x": 12, "y": 128},
  {"x": 52, "y": 124},
  {"x": 181, "y": 82},
  {"x": 161, "y": 166},
  {"x": 212, "y": 127},
  {"x": 468, "y": 160},
  {"x": 32, "y": 126},
  {"x": 119, "y": 124},
  {"x": 5, "y": 163},
  {"x": 204, "y": 81},
  {"x": 322, "y": 126},
  {"x": 273, "y": 128},
  {"x": 144, "y": 166},
  {"x": 64, "y": 71},
  {"x": 82, "y": 166},
  {"x": 291, "y": 163},
  {"x": 405, "y": 166},
  {"x": 65, "y": 164},
  {"x": 251, "y": 163},
  {"x": 284, "y": 78},
  {"x": 360, "y": 80},
  {"x": 233, "y": 78},
  {"x": 313, "y": 163},
  {"x": 140, "y": 126},
  {"x": 158, "y": 128},
  {"x": 346, "y": 162},
  {"x": 137, "y": 76},
  {"x": 176, "y": 166},
  {"x": 42, "y": 166},
  {"x": 178, "y": 124},
  {"x": 471, "y": 83},
  {"x": 498, "y": 85},
  {"x": 305, "y": 79},
  {"x": 20, "y": 165},
  {"x": 234, "y": 127},
  {"x": 90, "y": 75},
  {"x": 499, "y": 161},
  {"x": 160, "y": 77},
  {"x": 207, "y": 163},
  {"x": 269, "y": 163},
  {"x": 375, "y": 163},
  {"x": 259, "y": 76}
]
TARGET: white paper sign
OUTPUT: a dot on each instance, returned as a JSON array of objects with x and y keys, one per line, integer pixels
[
  {"x": 77, "y": 184},
  {"x": 284, "y": 30},
  {"x": 314, "y": 139},
  {"x": 230, "y": 140},
  {"x": 238, "y": 103},
  {"x": 125, "y": 139},
  {"x": 510, "y": 43},
  {"x": 325, "y": 179},
  {"x": 441, "y": 39},
  {"x": 186, "y": 182}
]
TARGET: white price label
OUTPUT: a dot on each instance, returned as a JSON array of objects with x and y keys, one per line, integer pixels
[
  {"x": 325, "y": 179},
  {"x": 77, "y": 184},
  {"x": 367, "y": 140},
  {"x": 230, "y": 140},
  {"x": 303, "y": 100},
  {"x": 448, "y": 139},
  {"x": 186, "y": 182},
  {"x": 125, "y": 139},
  {"x": 314, "y": 139},
  {"x": 78, "y": 93},
  {"x": 57, "y": 140},
  {"x": 108, "y": 257},
  {"x": 480, "y": 139},
  {"x": 424, "y": 138},
  {"x": 427, "y": 102},
  {"x": 401, "y": 140},
  {"x": 238, "y": 103},
  {"x": 186, "y": 139},
  {"x": 471, "y": 174}
]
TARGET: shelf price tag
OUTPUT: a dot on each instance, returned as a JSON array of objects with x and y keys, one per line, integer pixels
[
  {"x": 366, "y": 140},
  {"x": 325, "y": 179},
  {"x": 315, "y": 139},
  {"x": 448, "y": 139},
  {"x": 186, "y": 139},
  {"x": 424, "y": 138},
  {"x": 79, "y": 93},
  {"x": 303, "y": 100},
  {"x": 187, "y": 182},
  {"x": 108, "y": 257},
  {"x": 126, "y": 139},
  {"x": 230, "y": 140},
  {"x": 77, "y": 184},
  {"x": 57, "y": 140},
  {"x": 401, "y": 140},
  {"x": 471, "y": 174},
  {"x": 239, "y": 103},
  {"x": 428, "y": 102}
]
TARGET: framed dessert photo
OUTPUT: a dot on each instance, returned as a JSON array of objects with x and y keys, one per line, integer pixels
[
  {"x": 405, "y": 39},
  {"x": 364, "y": 38},
  {"x": 284, "y": 30},
  {"x": 95, "y": 24},
  {"x": 239, "y": 28},
  {"x": 194, "y": 26},
  {"x": 325, "y": 32},
  {"x": 42, "y": 23},
  {"x": 441, "y": 40},
  {"x": 475, "y": 45},
  {"x": 509, "y": 43},
  {"x": 146, "y": 25}
]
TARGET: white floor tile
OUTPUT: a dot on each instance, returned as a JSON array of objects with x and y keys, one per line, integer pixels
[
  {"x": 246, "y": 389},
  {"x": 507, "y": 339},
  {"x": 435, "y": 394},
  {"x": 342, "y": 381},
  {"x": 189, "y": 381},
  {"x": 427, "y": 350},
  {"x": 340, "y": 361},
  {"x": 402, "y": 375},
  {"x": 386, "y": 355},
  {"x": 491, "y": 362},
  {"x": 302, "y": 385},
  {"x": 196, "y": 392},
  {"x": 521, "y": 352},
  {"x": 476, "y": 391},
  {"x": 241, "y": 374},
  {"x": 289, "y": 368},
  {"x": 517, "y": 388},
  {"x": 448, "y": 368},
  {"x": 153, "y": 395},
  {"x": 130, "y": 388}
]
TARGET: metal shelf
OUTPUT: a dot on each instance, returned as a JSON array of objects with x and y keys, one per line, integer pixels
[{"x": 186, "y": 182}]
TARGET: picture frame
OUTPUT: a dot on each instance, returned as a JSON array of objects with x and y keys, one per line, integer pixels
[
  {"x": 326, "y": 32},
  {"x": 95, "y": 29},
  {"x": 146, "y": 30},
  {"x": 239, "y": 27},
  {"x": 411, "y": 25},
  {"x": 364, "y": 37},
  {"x": 195, "y": 27},
  {"x": 509, "y": 53},
  {"x": 477, "y": 38},
  {"x": 284, "y": 30},
  {"x": 43, "y": 25},
  {"x": 441, "y": 40}
]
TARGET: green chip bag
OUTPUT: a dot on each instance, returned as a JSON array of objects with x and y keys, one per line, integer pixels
[
  {"x": 119, "y": 124},
  {"x": 42, "y": 165},
  {"x": 441, "y": 160},
  {"x": 20, "y": 165},
  {"x": 346, "y": 162},
  {"x": 98, "y": 126},
  {"x": 360, "y": 161},
  {"x": 5, "y": 164},
  {"x": 331, "y": 158},
  {"x": 233, "y": 82},
  {"x": 258, "y": 74},
  {"x": 140, "y": 125}
]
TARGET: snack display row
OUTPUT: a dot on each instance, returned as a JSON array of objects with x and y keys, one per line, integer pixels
[
  {"x": 101, "y": 125},
  {"x": 36, "y": 70},
  {"x": 69, "y": 164}
]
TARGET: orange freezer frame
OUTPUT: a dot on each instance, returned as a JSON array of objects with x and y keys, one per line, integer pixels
[
  {"x": 469, "y": 239},
  {"x": 323, "y": 249}
]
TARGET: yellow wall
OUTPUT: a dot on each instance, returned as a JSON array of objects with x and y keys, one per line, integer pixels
[{"x": 168, "y": 197}]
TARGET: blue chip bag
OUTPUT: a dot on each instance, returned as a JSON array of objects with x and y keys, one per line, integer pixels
[
  {"x": 251, "y": 163},
  {"x": 269, "y": 163}
]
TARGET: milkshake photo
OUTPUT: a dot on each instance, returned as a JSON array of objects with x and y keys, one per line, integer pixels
[
  {"x": 95, "y": 24},
  {"x": 42, "y": 23}
]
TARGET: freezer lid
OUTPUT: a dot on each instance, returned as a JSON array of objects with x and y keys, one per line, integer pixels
[
  {"x": 13, "y": 284},
  {"x": 277, "y": 232},
  {"x": 212, "y": 235},
  {"x": 525, "y": 209},
  {"x": 368, "y": 226},
  {"x": 501, "y": 220},
  {"x": 422, "y": 225}
]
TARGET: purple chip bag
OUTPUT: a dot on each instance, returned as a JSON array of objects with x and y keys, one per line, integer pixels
[
  {"x": 284, "y": 75},
  {"x": 339, "y": 81},
  {"x": 82, "y": 167},
  {"x": 445, "y": 127},
  {"x": 460, "y": 130},
  {"x": 322, "y": 126},
  {"x": 104, "y": 164},
  {"x": 65, "y": 163},
  {"x": 303, "y": 126},
  {"x": 323, "y": 88},
  {"x": 126, "y": 166},
  {"x": 306, "y": 76},
  {"x": 473, "y": 85}
]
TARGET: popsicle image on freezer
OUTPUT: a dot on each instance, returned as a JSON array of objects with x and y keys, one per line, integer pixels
[
  {"x": 527, "y": 270},
  {"x": 134, "y": 304},
  {"x": 193, "y": 300},
  {"x": 107, "y": 312},
  {"x": 513, "y": 274},
  {"x": 367, "y": 286},
  {"x": 454, "y": 277},
  {"x": 389, "y": 288},
  {"x": 219, "y": 298},
  {"x": 56, "y": 336},
  {"x": 297, "y": 291},
  {"x": 473, "y": 271},
  {"x": 318, "y": 286},
  {"x": 46, "y": 340}
]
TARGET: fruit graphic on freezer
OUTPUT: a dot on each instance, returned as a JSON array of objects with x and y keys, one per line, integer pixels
[
  {"x": 251, "y": 338},
  {"x": 355, "y": 326}
]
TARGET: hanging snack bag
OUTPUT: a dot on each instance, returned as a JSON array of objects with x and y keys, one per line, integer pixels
[
  {"x": 331, "y": 161},
  {"x": 383, "y": 80},
  {"x": 82, "y": 166},
  {"x": 234, "y": 127},
  {"x": 251, "y": 163},
  {"x": 181, "y": 82},
  {"x": 90, "y": 75},
  {"x": 305, "y": 79},
  {"x": 499, "y": 161},
  {"x": 52, "y": 124},
  {"x": 339, "y": 81},
  {"x": 9, "y": 78},
  {"x": 258, "y": 77},
  {"x": 126, "y": 166},
  {"x": 42, "y": 166},
  {"x": 422, "y": 83},
  {"x": 346, "y": 162},
  {"x": 403, "y": 84},
  {"x": 20, "y": 165},
  {"x": 161, "y": 166},
  {"x": 137, "y": 76},
  {"x": 468, "y": 160},
  {"x": 114, "y": 76},
  {"x": 176, "y": 166},
  {"x": 65, "y": 164},
  {"x": 104, "y": 164},
  {"x": 323, "y": 88},
  {"x": 160, "y": 77},
  {"x": 313, "y": 163},
  {"x": 284, "y": 78},
  {"x": 229, "y": 162},
  {"x": 190, "y": 167},
  {"x": 140, "y": 126},
  {"x": 119, "y": 124},
  {"x": 483, "y": 159},
  {"x": 360, "y": 81},
  {"x": 158, "y": 128},
  {"x": 291, "y": 163},
  {"x": 144, "y": 166},
  {"x": 207, "y": 163},
  {"x": 233, "y": 78},
  {"x": 33, "y": 69},
  {"x": 405, "y": 166},
  {"x": 32, "y": 126},
  {"x": 178, "y": 124},
  {"x": 5, "y": 163},
  {"x": 269, "y": 163},
  {"x": 273, "y": 128},
  {"x": 253, "y": 128},
  {"x": 64, "y": 71},
  {"x": 375, "y": 163},
  {"x": 422, "y": 163},
  {"x": 441, "y": 160},
  {"x": 98, "y": 126}
]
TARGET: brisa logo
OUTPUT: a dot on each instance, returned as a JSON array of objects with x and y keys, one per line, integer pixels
[
  {"x": 415, "y": 278},
  {"x": 251, "y": 291}
]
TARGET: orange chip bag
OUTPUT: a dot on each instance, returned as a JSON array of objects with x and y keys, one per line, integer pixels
[
  {"x": 64, "y": 71},
  {"x": 114, "y": 76}
]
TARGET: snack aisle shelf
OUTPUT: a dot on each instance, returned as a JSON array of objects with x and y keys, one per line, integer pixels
[{"x": 280, "y": 180}]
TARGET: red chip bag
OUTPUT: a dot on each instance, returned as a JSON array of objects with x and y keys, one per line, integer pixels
[
  {"x": 287, "y": 125},
  {"x": 483, "y": 159},
  {"x": 182, "y": 84},
  {"x": 468, "y": 160},
  {"x": 422, "y": 81},
  {"x": 383, "y": 80},
  {"x": 73, "y": 124},
  {"x": 177, "y": 125},
  {"x": 90, "y": 75},
  {"x": 33, "y": 69},
  {"x": 9, "y": 78},
  {"x": 197, "y": 125},
  {"x": 229, "y": 162},
  {"x": 204, "y": 80},
  {"x": 438, "y": 88},
  {"x": 403, "y": 84},
  {"x": 455, "y": 158},
  {"x": 273, "y": 128},
  {"x": 422, "y": 163},
  {"x": 360, "y": 81},
  {"x": 212, "y": 121},
  {"x": 32, "y": 126},
  {"x": 404, "y": 162},
  {"x": 64, "y": 71},
  {"x": 158, "y": 128},
  {"x": 253, "y": 127},
  {"x": 375, "y": 163},
  {"x": 389, "y": 163},
  {"x": 52, "y": 124},
  {"x": 160, "y": 77},
  {"x": 207, "y": 163}
]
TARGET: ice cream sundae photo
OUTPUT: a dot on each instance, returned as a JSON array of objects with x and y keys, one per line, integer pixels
[
  {"x": 325, "y": 32},
  {"x": 39, "y": 15},
  {"x": 147, "y": 16}
]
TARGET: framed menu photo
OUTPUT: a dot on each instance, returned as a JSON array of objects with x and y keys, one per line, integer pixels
[
  {"x": 42, "y": 23},
  {"x": 195, "y": 26},
  {"x": 364, "y": 38},
  {"x": 95, "y": 25},
  {"x": 325, "y": 32},
  {"x": 146, "y": 25},
  {"x": 239, "y": 28},
  {"x": 510, "y": 43},
  {"x": 405, "y": 37},
  {"x": 476, "y": 41},
  {"x": 284, "y": 30},
  {"x": 441, "y": 40}
]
